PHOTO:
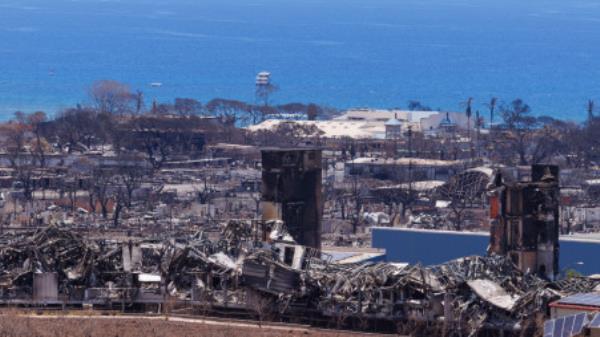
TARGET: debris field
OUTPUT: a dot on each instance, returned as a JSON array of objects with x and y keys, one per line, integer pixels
[{"x": 261, "y": 270}]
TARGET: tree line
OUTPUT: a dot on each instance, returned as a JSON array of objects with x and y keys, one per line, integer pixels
[
  {"x": 513, "y": 135},
  {"x": 115, "y": 98}
]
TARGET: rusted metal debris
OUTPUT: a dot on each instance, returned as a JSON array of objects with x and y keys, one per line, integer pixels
[{"x": 240, "y": 270}]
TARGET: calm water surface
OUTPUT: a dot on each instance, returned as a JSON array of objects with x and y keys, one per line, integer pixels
[{"x": 342, "y": 53}]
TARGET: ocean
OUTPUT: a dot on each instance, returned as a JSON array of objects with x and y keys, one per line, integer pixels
[{"x": 340, "y": 53}]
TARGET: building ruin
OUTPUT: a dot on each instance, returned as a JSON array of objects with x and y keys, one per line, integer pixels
[
  {"x": 526, "y": 226},
  {"x": 291, "y": 192}
]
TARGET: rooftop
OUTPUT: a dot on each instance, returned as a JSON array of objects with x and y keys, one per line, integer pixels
[
  {"x": 393, "y": 122},
  {"x": 348, "y": 255},
  {"x": 358, "y": 129},
  {"x": 374, "y": 115},
  {"x": 447, "y": 122},
  {"x": 420, "y": 186},
  {"x": 592, "y": 182},
  {"x": 383, "y": 115},
  {"x": 406, "y": 161},
  {"x": 583, "y": 299}
]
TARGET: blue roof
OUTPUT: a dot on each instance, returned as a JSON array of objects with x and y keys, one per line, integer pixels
[{"x": 586, "y": 299}]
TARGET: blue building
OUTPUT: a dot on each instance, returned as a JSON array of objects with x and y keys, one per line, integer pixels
[{"x": 429, "y": 247}]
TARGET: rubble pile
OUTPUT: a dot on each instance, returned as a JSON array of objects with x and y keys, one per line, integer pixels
[
  {"x": 402, "y": 294},
  {"x": 52, "y": 250},
  {"x": 467, "y": 295}
]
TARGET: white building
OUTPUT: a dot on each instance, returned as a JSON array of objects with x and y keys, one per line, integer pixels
[
  {"x": 579, "y": 215},
  {"x": 332, "y": 128},
  {"x": 371, "y": 123},
  {"x": 393, "y": 128},
  {"x": 420, "y": 121}
]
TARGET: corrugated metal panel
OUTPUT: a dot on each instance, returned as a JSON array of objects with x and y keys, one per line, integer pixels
[
  {"x": 589, "y": 299},
  {"x": 272, "y": 278}
]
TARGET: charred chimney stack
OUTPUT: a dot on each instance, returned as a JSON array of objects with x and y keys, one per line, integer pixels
[{"x": 291, "y": 191}]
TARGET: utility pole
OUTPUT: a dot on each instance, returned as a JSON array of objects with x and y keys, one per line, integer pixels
[
  {"x": 410, "y": 134},
  {"x": 492, "y": 107},
  {"x": 478, "y": 135},
  {"x": 410, "y": 168}
]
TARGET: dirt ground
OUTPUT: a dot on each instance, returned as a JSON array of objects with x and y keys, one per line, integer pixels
[{"x": 30, "y": 325}]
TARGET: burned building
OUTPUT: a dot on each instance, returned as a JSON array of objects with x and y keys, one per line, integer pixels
[
  {"x": 291, "y": 191},
  {"x": 526, "y": 221},
  {"x": 162, "y": 135},
  {"x": 231, "y": 270}
]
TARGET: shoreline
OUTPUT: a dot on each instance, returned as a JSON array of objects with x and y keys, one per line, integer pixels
[{"x": 7, "y": 110}]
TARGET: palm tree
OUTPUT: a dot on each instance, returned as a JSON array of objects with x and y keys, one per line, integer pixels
[
  {"x": 469, "y": 112},
  {"x": 492, "y": 107},
  {"x": 590, "y": 110}
]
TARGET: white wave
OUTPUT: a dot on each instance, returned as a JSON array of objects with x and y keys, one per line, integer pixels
[
  {"x": 22, "y": 29},
  {"x": 323, "y": 42},
  {"x": 208, "y": 36},
  {"x": 164, "y": 13},
  {"x": 20, "y": 7},
  {"x": 182, "y": 34}
]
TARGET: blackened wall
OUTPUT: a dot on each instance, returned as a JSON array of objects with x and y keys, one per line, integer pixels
[{"x": 292, "y": 178}]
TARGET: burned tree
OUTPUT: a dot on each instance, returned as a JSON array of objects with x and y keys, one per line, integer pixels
[
  {"x": 313, "y": 111},
  {"x": 77, "y": 129},
  {"x": 520, "y": 126},
  {"x": 393, "y": 196},
  {"x": 120, "y": 196},
  {"x": 230, "y": 111},
  {"x": 414, "y": 105},
  {"x": 584, "y": 142},
  {"x": 40, "y": 146},
  {"x": 17, "y": 142},
  {"x": 139, "y": 101},
  {"x": 129, "y": 175},
  {"x": 548, "y": 141},
  {"x": 464, "y": 191},
  {"x": 289, "y": 134},
  {"x": 187, "y": 106},
  {"x": 358, "y": 192},
  {"x": 112, "y": 97},
  {"x": 100, "y": 187},
  {"x": 160, "y": 137}
]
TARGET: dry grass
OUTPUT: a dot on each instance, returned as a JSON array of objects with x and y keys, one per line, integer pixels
[{"x": 13, "y": 324}]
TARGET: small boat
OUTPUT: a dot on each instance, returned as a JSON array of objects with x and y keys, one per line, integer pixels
[{"x": 156, "y": 84}]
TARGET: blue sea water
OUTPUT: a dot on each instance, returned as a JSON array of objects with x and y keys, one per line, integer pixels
[{"x": 342, "y": 53}]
